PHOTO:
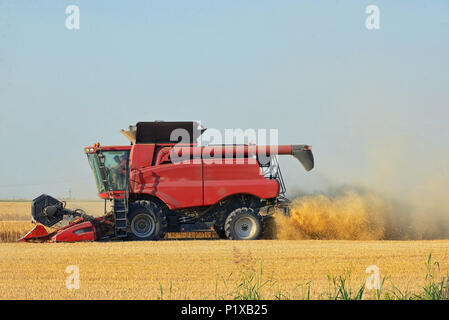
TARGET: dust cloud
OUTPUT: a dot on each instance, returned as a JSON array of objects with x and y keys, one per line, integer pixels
[
  {"x": 354, "y": 214},
  {"x": 403, "y": 195}
]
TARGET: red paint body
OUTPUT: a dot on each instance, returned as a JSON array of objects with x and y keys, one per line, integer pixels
[
  {"x": 202, "y": 177},
  {"x": 83, "y": 231},
  {"x": 38, "y": 233},
  {"x": 76, "y": 231}
]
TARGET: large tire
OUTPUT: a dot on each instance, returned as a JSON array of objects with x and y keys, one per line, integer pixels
[
  {"x": 147, "y": 221},
  {"x": 244, "y": 224}
]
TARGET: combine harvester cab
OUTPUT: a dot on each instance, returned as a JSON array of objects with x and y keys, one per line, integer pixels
[{"x": 158, "y": 184}]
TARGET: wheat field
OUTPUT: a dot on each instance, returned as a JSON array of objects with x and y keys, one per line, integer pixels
[
  {"x": 207, "y": 269},
  {"x": 203, "y": 269}
]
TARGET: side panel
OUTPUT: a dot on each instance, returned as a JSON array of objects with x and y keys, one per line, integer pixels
[
  {"x": 80, "y": 232},
  {"x": 178, "y": 185},
  {"x": 141, "y": 156},
  {"x": 239, "y": 177}
]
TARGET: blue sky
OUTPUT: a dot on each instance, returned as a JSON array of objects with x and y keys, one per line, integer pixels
[{"x": 310, "y": 69}]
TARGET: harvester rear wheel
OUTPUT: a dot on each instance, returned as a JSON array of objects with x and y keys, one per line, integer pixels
[
  {"x": 244, "y": 224},
  {"x": 147, "y": 221}
]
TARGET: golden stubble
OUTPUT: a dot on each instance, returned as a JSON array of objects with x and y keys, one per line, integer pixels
[{"x": 208, "y": 269}]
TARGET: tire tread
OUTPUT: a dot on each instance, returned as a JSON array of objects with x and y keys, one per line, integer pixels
[
  {"x": 235, "y": 214},
  {"x": 148, "y": 206}
]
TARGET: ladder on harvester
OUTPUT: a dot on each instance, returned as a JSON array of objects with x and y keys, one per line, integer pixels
[
  {"x": 120, "y": 206},
  {"x": 120, "y": 213}
]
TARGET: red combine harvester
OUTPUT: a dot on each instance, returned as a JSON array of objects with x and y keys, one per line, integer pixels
[{"x": 161, "y": 184}]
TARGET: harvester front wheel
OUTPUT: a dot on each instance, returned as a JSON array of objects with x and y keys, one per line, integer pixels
[
  {"x": 244, "y": 224},
  {"x": 147, "y": 221}
]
